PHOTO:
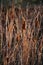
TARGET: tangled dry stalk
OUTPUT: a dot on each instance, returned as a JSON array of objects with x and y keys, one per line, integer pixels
[{"x": 21, "y": 33}]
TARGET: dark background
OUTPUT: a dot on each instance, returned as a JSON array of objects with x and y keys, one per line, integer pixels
[{"x": 8, "y": 2}]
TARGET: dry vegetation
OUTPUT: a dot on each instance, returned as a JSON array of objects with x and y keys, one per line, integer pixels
[{"x": 21, "y": 33}]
